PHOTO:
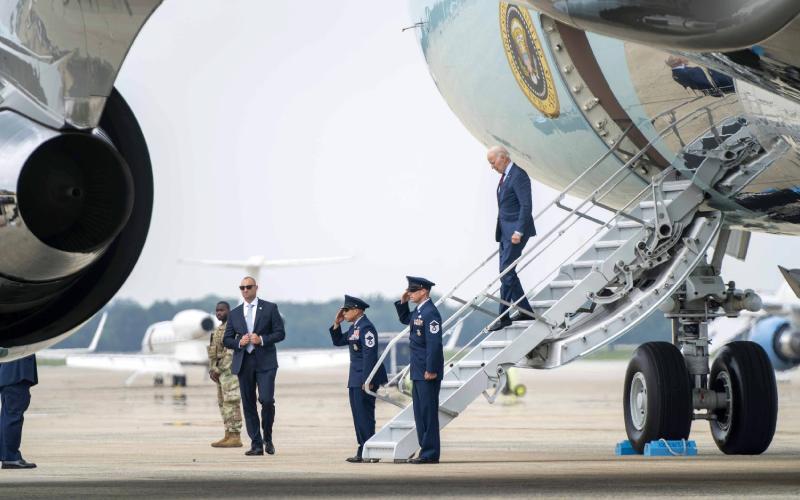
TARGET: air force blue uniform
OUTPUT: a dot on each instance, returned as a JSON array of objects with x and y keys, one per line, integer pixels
[
  {"x": 362, "y": 341},
  {"x": 425, "y": 325},
  {"x": 514, "y": 207},
  {"x": 16, "y": 379}
]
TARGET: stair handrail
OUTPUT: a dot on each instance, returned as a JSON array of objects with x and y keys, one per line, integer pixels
[
  {"x": 468, "y": 306},
  {"x": 672, "y": 128}
]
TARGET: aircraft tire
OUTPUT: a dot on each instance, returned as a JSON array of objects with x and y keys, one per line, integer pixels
[
  {"x": 742, "y": 371},
  {"x": 657, "y": 399}
]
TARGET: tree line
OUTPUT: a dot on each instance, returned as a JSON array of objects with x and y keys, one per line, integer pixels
[{"x": 306, "y": 322}]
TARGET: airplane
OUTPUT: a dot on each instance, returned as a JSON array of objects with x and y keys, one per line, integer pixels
[
  {"x": 776, "y": 328},
  {"x": 167, "y": 346},
  {"x": 252, "y": 266},
  {"x": 660, "y": 177},
  {"x": 62, "y": 353}
]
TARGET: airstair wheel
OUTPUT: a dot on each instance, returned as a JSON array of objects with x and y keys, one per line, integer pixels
[
  {"x": 746, "y": 425},
  {"x": 657, "y": 398}
]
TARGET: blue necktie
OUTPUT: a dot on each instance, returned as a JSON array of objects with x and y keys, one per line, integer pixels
[{"x": 249, "y": 319}]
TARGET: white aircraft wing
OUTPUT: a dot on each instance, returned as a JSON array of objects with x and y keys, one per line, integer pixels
[
  {"x": 139, "y": 363},
  {"x": 64, "y": 353},
  {"x": 239, "y": 264}
]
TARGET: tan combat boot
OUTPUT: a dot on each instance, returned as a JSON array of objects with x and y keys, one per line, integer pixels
[
  {"x": 232, "y": 440},
  {"x": 221, "y": 442}
]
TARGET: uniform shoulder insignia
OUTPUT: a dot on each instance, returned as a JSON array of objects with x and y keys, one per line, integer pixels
[
  {"x": 369, "y": 339},
  {"x": 434, "y": 327}
]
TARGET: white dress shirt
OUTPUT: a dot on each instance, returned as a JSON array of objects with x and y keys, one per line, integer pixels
[{"x": 255, "y": 313}]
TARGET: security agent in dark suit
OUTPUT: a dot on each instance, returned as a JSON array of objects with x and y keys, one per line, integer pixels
[
  {"x": 514, "y": 228},
  {"x": 427, "y": 364},
  {"x": 254, "y": 328},
  {"x": 16, "y": 379},
  {"x": 362, "y": 340}
]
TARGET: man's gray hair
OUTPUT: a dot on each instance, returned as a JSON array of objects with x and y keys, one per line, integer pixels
[{"x": 499, "y": 150}]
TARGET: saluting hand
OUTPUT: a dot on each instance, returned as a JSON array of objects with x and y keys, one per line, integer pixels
[
  {"x": 404, "y": 298},
  {"x": 339, "y": 318},
  {"x": 429, "y": 376}
]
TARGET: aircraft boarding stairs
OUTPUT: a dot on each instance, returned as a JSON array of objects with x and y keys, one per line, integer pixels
[{"x": 614, "y": 280}]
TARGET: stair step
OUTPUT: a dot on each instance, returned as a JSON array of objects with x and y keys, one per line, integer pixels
[
  {"x": 389, "y": 445},
  {"x": 586, "y": 263},
  {"x": 452, "y": 384},
  {"x": 401, "y": 425},
  {"x": 610, "y": 243},
  {"x": 495, "y": 344},
  {"x": 541, "y": 304},
  {"x": 564, "y": 284},
  {"x": 628, "y": 224},
  {"x": 651, "y": 204},
  {"x": 470, "y": 364},
  {"x": 671, "y": 186}
]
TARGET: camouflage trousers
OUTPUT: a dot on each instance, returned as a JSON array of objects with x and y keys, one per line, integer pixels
[{"x": 228, "y": 398}]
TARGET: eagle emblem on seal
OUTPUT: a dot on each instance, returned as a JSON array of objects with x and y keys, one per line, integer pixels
[{"x": 527, "y": 60}]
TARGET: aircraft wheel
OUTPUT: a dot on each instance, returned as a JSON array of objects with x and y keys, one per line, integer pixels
[
  {"x": 520, "y": 390},
  {"x": 657, "y": 397},
  {"x": 743, "y": 373}
]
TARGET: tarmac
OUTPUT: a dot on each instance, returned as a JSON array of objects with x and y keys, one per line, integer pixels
[{"x": 92, "y": 437}]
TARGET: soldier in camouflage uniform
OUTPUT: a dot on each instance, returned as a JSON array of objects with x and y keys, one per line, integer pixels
[{"x": 228, "y": 396}]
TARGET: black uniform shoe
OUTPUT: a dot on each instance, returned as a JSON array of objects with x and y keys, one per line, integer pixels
[
  {"x": 18, "y": 464},
  {"x": 254, "y": 451},
  {"x": 500, "y": 325},
  {"x": 355, "y": 460},
  {"x": 270, "y": 448},
  {"x": 422, "y": 461}
]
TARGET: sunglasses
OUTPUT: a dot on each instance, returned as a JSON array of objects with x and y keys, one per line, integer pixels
[{"x": 245, "y": 287}]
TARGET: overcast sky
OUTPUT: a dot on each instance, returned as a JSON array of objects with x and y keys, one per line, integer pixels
[{"x": 310, "y": 129}]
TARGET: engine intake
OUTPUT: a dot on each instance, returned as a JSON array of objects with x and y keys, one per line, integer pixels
[{"x": 63, "y": 198}]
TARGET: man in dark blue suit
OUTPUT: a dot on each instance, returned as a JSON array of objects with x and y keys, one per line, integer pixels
[
  {"x": 362, "y": 341},
  {"x": 16, "y": 379},
  {"x": 254, "y": 328},
  {"x": 427, "y": 364},
  {"x": 514, "y": 228}
]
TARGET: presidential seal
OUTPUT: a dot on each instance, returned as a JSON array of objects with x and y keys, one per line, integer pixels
[{"x": 526, "y": 58}]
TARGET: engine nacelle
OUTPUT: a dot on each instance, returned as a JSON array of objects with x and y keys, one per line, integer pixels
[
  {"x": 75, "y": 209},
  {"x": 184, "y": 338},
  {"x": 779, "y": 339},
  {"x": 193, "y": 324}
]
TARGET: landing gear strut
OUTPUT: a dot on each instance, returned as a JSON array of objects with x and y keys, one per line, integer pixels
[{"x": 669, "y": 385}]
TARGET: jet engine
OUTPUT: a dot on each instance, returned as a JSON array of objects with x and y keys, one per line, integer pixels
[
  {"x": 780, "y": 339},
  {"x": 75, "y": 209}
]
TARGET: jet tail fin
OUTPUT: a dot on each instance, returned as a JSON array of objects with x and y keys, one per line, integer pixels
[
  {"x": 97, "y": 333},
  {"x": 792, "y": 277}
]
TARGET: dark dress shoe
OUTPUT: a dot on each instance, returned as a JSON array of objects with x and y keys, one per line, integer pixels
[
  {"x": 422, "y": 461},
  {"x": 355, "y": 460},
  {"x": 500, "y": 325},
  {"x": 270, "y": 448},
  {"x": 254, "y": 451},
  {"x": 18, "y": 464}
]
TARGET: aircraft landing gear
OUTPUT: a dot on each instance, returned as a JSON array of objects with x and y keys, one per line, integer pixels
[
  {"x": 669, "y": 385},
  {"x": 745, "y": 424},
  {"x": 658, "y": 400}
]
